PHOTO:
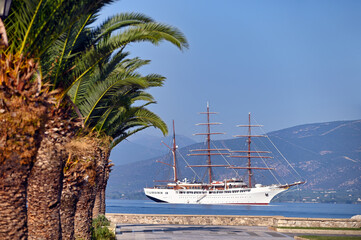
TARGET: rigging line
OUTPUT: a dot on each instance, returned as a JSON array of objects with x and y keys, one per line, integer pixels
[
  {"x": 303, "y": 148},
  {"x": 237, "y": 173},
  {"x": 284, "y": 158},
  {"x": 275, "y": 157},
  {"x": 267, "y": 165},
  {"x": 235, "y": 170},
  {"x": 204, "y": 176},
  {"x": 272, "y": 151},
  {"x": 292, "y": 173},
  {"x": 188, "y": 164},
  {"x": 224, "y": 158},
  {"x": 280, "y": 153}
]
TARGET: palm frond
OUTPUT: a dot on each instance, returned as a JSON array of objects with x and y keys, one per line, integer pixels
[
  {"x": 100, "y": 92},
  {"x": 117, "y": 22},
  {"x": 34, "y": 25},
  {"x": 135, "y": 117},
  {"x": 125, "y": 135}
]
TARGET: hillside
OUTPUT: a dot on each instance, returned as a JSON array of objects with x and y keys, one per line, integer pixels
[{"x": 327, "y": 155}]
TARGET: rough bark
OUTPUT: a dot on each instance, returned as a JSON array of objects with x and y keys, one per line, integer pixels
[
  {"x": 46, "y": 179},
  {"x": 99, "y": 203},
  {"x": 78, "y": 194},
  {"x": 83, "y": 214},
  {"x": 67, "y": 213},
  {"x": 102, "y": 204},
  {"x": 72, "y": 182},
  {"x": 103, "y": 190},
  {"x": 43, "y": 193},
  {"x": 13, "y": 224},
  {"x": 23, "y": 113},
  {"x": 85, "y": 205}
]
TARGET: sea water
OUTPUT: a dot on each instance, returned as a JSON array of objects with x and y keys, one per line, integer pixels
[{"x": 308, "y": 210}]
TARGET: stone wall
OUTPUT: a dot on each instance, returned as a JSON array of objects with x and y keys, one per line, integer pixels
[
  {"x": 230, "y": 220},
  {"x": 318, "y": 222}
]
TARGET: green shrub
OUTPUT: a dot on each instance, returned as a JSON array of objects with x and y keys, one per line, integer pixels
[
  {"x": 100, "y": 229},
  {"x": 101, "y": 220}
]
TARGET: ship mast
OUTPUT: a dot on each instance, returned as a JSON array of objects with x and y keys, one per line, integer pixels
[
  {"x": 174, "y": 149},
  {"x": 208, "y": 151},
  {"x": 249, "y": 167},
  {"x": 209, "y": 145},
  {"x": 249, "y": 151}
]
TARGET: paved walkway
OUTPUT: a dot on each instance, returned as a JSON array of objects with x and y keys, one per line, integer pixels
[{"x": 191, "y": 232}]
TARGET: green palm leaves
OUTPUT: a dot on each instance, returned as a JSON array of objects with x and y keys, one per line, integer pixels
[
  {"x": 90, "y": 63},
  {"x": 105, "y": 85},
  {"x": 35, "y": 25},
  {"x": 82, "y": 48},
  {"x": 116, "y": 104}
]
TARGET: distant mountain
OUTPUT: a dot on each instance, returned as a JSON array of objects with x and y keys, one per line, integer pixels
[
  {"x": 143, "y": 146},
  {"x": 327, "y": 155}
]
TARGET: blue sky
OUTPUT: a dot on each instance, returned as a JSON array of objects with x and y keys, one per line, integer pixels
[{"x": 287, "y": 62}]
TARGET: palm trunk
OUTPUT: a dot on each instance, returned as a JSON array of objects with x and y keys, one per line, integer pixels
[
  {"x": 98, "y": 197},
  {"x": 102, "y": 204},
  {"x": 85, "y": 205},
  {"x": 21, "y": 125},
  {"x": 46, "y": 179},
  {"x": 83, "y": 214},
  {"x": 106, "y": 178},
  {"x": 23, "y": 113},
  {"x": 97, "y": 203},
  {"x": 44, "y": 193},
  {"x": 13, "y": 223},
  {"x": 69, "y": 198},
  {"x": 78, "y": 194},
  {"x": 101, "y": 184}
]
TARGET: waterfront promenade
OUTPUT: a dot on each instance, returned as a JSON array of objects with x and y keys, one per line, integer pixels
[{"x": 195, "y": 232}]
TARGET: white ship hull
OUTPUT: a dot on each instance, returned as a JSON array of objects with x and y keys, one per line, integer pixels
[{"x": 257, "y": 196}]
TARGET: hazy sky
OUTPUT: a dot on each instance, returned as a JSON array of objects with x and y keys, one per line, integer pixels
[{"x": 287, "y": 62}]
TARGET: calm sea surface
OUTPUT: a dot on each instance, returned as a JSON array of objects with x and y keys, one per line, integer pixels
[{"x": 310, "y": 210}]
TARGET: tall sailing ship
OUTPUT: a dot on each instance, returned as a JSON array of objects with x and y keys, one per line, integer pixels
[{"x": 226, "y": 191}]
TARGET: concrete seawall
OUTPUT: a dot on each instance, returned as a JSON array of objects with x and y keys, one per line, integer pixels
[{"x": 231, "y": 220}]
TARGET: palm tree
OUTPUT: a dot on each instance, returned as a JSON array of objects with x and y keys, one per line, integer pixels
[
  {"x": 75, "y": 59},
  {"x": 56, "y": 51},
  {"x": 32, "y": 27},
  {"x": 107, "y": 102}
]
